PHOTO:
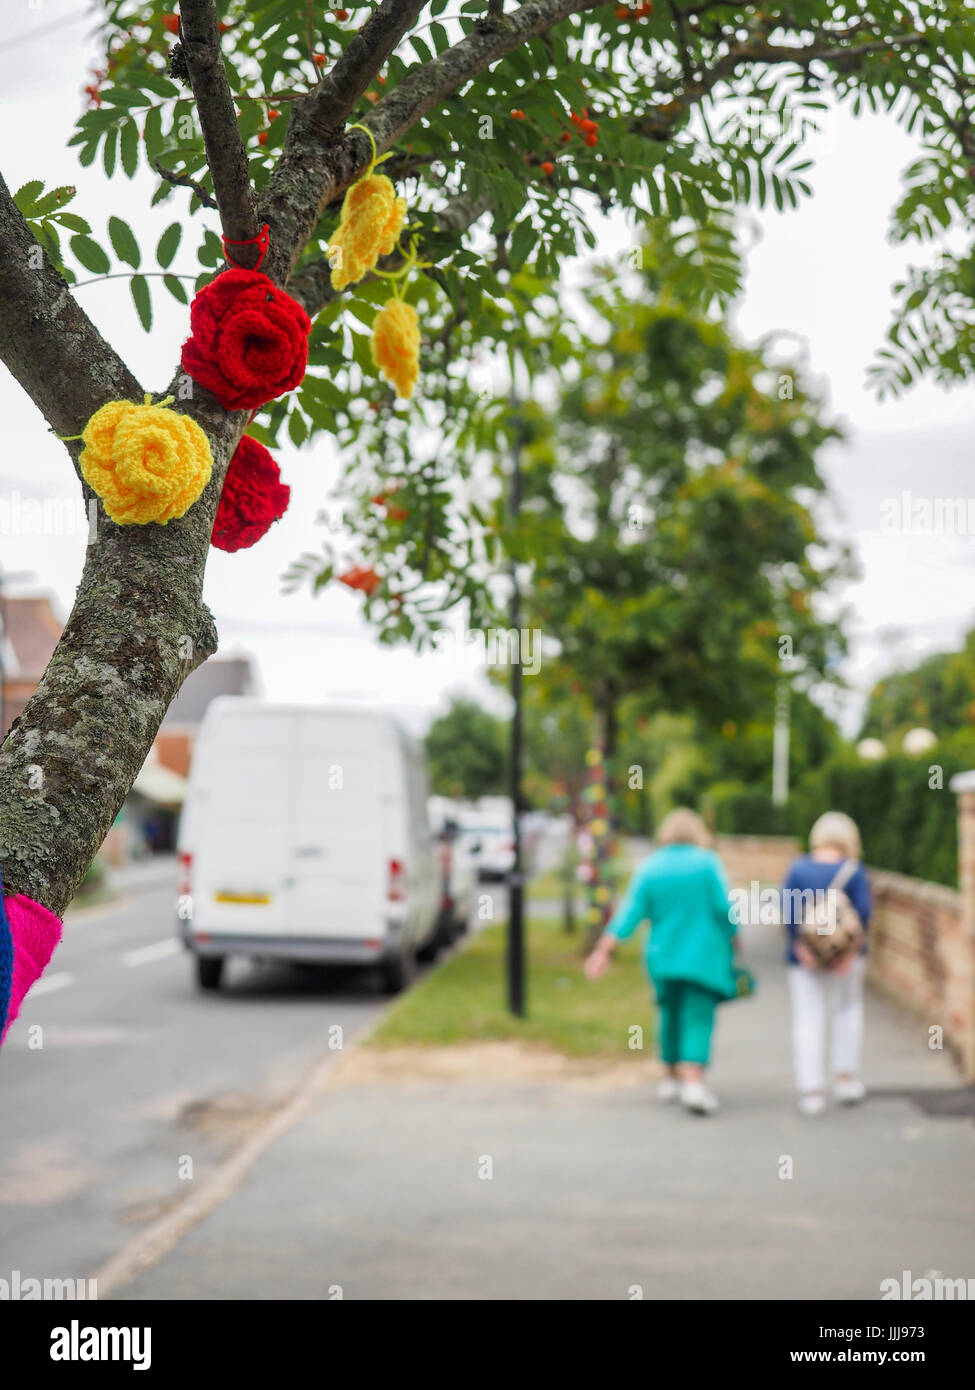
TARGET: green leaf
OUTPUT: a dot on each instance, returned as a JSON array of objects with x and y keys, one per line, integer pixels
[
  {"x": 176, "y": 288},
  {"x": 297, "y": 429},
  {"x": 129, "y": 148},
  {"x": 143, "y": 303},
  {"x": 54, "y": 200},
  {"x": 71, "y": 221},
  {"x": 90, "y": 254},
  {"x": 109, "y": 151},
  {"x": 211, "y": 252},
  {"x": 522, "y": 240},
  {"x": 169, "y": 244},
  {"x": 123, "y": 96},
  {"x": 27, "y": 195},
  {"x": 152, "y": 133},
  {"x": 124, "y": 243}
]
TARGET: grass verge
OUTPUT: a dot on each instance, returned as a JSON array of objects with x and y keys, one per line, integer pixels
[{"x": 464, "y": 999}]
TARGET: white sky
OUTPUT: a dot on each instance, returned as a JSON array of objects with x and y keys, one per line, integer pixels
[{"x": 823, "y": 273}]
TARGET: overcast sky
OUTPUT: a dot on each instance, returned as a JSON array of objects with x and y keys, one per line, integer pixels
[{"x": 823, "y": 273}]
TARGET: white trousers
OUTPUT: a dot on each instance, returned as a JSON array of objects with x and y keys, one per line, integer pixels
[{"x": 810, "y": 991}]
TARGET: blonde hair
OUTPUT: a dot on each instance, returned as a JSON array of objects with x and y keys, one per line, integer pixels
[
  {"x": 683, "y": 827},
  {"x": 838, "y": 831}
]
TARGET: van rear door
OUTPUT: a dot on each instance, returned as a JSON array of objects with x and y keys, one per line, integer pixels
[
  {"x": 343, "y": 793},
  {"x": 240, "y": 823}
]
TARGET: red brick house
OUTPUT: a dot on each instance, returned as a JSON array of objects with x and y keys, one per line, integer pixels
[{"x": 29, "y": 632}]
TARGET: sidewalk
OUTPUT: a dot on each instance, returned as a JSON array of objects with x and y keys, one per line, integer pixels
[{"x": 596, "y": 1190}]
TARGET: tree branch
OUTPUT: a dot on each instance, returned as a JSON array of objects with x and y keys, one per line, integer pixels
[
  {"x": 138, "y": 625},
  {"x": 184, "y": 181},
  {"x": 226, "y": 158},
  {"x": 342, "y": 86},
  {"x": 312, "y": 171},
  {"x": 423, "y": 87},
  {"x": 47, "y": 340}
]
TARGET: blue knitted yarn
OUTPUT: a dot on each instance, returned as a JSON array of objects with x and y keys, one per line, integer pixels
[{"x": 6, "y": 962}]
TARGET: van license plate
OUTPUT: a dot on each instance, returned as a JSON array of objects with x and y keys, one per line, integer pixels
[{"x": 242, "y": 897}]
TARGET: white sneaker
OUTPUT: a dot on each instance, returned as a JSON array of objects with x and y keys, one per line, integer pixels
[
  {"x": 668, "y": 1090},
  {"x": 812, "y": 1103},
  {"x": 695, "y": 1096},
  {"x": 848, "y": 1090}
]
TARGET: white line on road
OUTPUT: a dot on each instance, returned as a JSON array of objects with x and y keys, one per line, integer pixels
[
  {"x": 144, "y": 955},
  {"x": 52, "y": 982}
]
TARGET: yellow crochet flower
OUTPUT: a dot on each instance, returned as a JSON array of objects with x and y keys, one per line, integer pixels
[
  {"x": 369, "y": 225},
  {"x": 146, "y": 462},
  {"x": 396, "y": 345}
]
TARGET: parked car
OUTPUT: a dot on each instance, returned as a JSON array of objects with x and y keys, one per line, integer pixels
[
  {"x": 305, "y": 837},
  {"x": 458, "y": 872},
  {"x": 489, "y": 841}
]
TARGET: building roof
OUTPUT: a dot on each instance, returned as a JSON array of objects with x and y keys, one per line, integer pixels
[
  {"x": 31, "y": 633},
  {"x": 231, "y": 676}
]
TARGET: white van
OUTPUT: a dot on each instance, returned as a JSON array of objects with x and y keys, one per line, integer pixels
[{"x": 304, "y": 837}]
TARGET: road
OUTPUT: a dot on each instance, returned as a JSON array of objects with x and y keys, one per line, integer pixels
[{"x": 139, "y": 1073}]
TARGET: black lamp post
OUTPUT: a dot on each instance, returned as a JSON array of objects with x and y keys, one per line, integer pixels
[{"x": 515, "y": 951}]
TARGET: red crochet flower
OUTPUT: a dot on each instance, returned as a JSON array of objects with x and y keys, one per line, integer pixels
[
  {"x": 253, "y": 497},
  {"x": 249, "y": 341}
]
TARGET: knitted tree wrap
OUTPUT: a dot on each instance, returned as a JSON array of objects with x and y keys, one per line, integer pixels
[
  {"x": 396, "y": 345},
  {"x": 369, "y": 225},
  {"x": 34, "y": 933},
  {"x": 146, "y": 462},
  {"x": 249, "y": 342},
  {"x": 253, "y": 497}
]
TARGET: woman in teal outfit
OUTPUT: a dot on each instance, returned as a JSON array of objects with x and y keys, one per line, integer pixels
[{"x": 681, "y": 889}]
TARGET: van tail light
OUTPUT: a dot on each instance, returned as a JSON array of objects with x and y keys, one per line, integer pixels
[
  {"x": 185, "y": 867},
  {"x": 396, "y": 892}
]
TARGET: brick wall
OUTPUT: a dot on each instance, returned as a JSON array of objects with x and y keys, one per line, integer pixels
[
  {"x": 921, "y": 955},
  {"x": 922, "y": 937},
  {"x": 762, "y": 857}
]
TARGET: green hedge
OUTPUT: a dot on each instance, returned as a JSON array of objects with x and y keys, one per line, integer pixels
[
  {"x": 906, "y": 823},
  {"x": 907, "y": 814},
  {"x": 733, "y": 808}
]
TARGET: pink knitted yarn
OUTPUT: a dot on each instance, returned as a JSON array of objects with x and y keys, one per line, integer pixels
[{"x": 35, "y": 932}]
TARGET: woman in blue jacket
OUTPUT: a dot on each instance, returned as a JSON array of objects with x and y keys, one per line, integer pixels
[
  {"x": 834, "y": 841},
  {"x": 681, "y": 889}
]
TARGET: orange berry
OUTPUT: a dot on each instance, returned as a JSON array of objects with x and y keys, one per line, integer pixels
[
  {"x": 588, "y": 126},
  {"x": 273, "y": 115},
  {"x": 517, "y": 114},
  {"x": 262, "y": 138},
  {"x": 548, "y": 168},
  {"x": 342, "y": 15},
  {"x": 592, "y": 138},
  {"x": 622, "y": 12},
  {"x": 381, "y": 81},
  {"x": 565, "y": 137},
  {"x": 319, "y": 60},
  {"x": 223, "y": 26},
  {"x": 171, "y": 22}
]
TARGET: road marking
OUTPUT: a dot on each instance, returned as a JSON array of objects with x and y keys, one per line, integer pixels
[
  {"x": 50, "y": 983},
  {"x": 145, "y": 955}
]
